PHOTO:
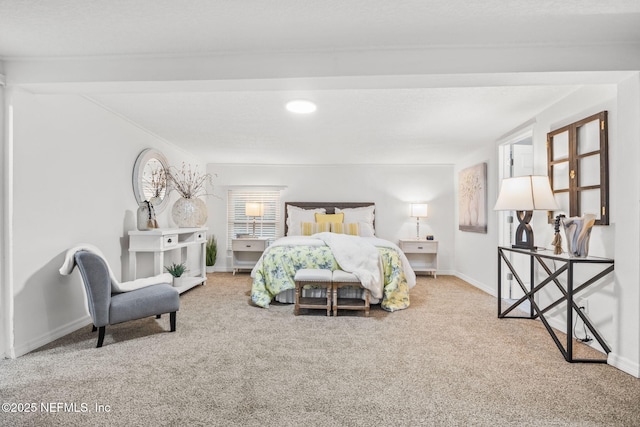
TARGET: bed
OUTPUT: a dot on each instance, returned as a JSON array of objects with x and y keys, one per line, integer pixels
[{"x": 350, "y": 245}]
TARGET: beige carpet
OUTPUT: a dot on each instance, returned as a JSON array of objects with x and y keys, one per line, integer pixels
[{"x": 447, "y": 360}]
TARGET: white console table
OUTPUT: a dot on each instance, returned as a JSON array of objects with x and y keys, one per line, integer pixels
[{"x": 162, "y": 240}]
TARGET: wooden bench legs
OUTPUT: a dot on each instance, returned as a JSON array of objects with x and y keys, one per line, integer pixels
[{"x": 331, "y": 282}]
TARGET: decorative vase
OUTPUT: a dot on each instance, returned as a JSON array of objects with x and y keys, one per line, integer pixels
[
  {"x": 146, "y": 216},
  {"x": 577, "y": 230},
  {"x": 188, "y": 213}
]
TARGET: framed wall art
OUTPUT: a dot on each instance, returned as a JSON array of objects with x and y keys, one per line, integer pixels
[{"x": 472, "y": 199}]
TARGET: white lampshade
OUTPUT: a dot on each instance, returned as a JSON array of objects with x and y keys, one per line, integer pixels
[
  {"x": 419, "y": 210},
  {"x": 253, "y": 209},
  {"x": 526, "y": 193}
]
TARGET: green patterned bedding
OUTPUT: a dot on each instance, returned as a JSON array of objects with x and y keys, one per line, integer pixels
[{"x": 276, "y": 269}]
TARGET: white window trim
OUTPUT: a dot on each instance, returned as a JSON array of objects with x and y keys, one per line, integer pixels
[{"x": 269, "y": 225}]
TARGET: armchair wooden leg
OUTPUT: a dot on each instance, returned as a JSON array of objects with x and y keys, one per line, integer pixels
[
  {"x": 172, "y": 321},
  {"x": 100, "y": 336}
]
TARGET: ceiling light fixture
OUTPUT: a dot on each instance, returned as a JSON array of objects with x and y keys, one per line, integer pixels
[{"x": 301, "y": 106}]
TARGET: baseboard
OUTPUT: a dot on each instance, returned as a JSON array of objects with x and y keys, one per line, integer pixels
[
  {"x": 624, "y": 364},
  {"x": 51, "y": 336},
  {"x": 476, "y": 284}
]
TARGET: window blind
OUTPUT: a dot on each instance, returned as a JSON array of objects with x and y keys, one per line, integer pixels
[{"x": 239, "y": 224}]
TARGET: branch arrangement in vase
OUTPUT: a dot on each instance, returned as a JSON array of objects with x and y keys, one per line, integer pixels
[{"x": 188, "y": 181}]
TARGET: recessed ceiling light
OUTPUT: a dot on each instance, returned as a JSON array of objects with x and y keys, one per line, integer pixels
[{"x": 301, "y": 106}]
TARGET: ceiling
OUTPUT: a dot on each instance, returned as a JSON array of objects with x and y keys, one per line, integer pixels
[{"x": 366, "y": 113}]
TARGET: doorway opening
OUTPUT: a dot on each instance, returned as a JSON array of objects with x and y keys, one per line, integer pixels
[{"x": 515, "y": 159}]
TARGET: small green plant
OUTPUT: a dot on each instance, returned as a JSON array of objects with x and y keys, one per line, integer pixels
[
  {"x": 212, "y": 251},
  {"x": 176, "y": 270}
]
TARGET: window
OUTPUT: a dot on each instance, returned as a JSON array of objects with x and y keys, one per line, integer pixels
[
  {"x": 579, "y": 168},
  {"x": 269, "y": 224}
]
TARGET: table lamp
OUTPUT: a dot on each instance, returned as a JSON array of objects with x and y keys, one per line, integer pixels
[
  {"x": 418, "y": 210},
  {"x": 254, "y": 210},
  {"x": 525, "y": 194}
]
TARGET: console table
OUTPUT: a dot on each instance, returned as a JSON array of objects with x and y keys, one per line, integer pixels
[
  {"x": 568, "y": 264},
  {"x": 162, "y": 240}
]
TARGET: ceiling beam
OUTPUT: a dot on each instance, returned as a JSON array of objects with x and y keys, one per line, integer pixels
[{"x": 302, "y": 67}]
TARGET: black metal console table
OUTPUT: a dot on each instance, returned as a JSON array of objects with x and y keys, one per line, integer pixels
[{"x": 568, "y": 264}]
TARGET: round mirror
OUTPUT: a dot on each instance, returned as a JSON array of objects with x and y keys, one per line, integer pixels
[{"x": 150, "y": 179}]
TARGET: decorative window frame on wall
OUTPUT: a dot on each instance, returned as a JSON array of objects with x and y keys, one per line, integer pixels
[{"x": 578, "y": 168}]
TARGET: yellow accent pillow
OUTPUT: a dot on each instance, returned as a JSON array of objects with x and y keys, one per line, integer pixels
[
  {"x": 309, "y": 228},
  {"x": 352, "y": 228},
  {"x": 329, "y": 217}
]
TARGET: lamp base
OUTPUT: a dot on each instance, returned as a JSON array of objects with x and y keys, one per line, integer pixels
[
  {"x": 524, "y": 232},
  {"x": 527, "y": 247}
]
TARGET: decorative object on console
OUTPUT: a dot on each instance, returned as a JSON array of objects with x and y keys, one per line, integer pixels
[
  {"x": 557, "y": 238},
  {"x": 177, "y": 270},
  {"x": 472, "y": 199},
  {"x": 524, "y": 194},
  {"x": 419, "y": 210},
  {"x": 147, "y": 216},
  {"x": 150, "y": 179},
  {"x": 253, "y": 209},
  {"x": 578, "y": 231},
  {"x": 189, "y": 210}
]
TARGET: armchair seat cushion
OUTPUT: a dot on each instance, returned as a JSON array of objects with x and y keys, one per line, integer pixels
[{"x": 143, "y": 302}]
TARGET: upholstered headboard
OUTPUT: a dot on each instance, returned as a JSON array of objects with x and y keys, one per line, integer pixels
[{"x": 329, "y": 206}]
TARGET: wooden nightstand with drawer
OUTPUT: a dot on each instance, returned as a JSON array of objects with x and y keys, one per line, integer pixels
[
  {"x": 422, "y": 255},
  {"x": 246, "y": 252}
]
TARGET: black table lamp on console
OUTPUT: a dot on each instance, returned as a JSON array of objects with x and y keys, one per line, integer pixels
[{"x": 524, "y": 194}]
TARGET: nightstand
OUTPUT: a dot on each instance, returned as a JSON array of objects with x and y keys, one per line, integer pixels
[
  {"x": 422, "y": 254},
  {"x": 246, "y": 252}
]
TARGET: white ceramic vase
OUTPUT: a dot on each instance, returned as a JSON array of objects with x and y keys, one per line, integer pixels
[
  {"x": 187, "y": 213},
  {"x": 146, "y": 216}
]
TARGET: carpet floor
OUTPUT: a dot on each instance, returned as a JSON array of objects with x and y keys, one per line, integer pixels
[{"x": 447, "y": 360}]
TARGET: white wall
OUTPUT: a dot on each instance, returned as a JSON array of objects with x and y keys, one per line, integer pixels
[
  {"x": 613, "y": 302},
  {"x": 475, "y": 253},
  {"x": 73, "y": 164},
  {"x": 626, "y": 179},
  {"x": 4, "y": 298},
  {"x": 392, "y": 188}
]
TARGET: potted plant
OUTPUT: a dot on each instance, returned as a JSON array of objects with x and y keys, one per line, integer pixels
[
  {"x": 177, "y": 270},
  {"x": 212, "y": 253}
]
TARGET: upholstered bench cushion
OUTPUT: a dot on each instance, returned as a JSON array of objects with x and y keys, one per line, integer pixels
[
  {"x": 313, "y": 275},
  {"x": 143, "y": 302},
  {"x": 343, "y": 276}
]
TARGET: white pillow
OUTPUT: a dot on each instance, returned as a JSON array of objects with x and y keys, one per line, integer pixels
[
  {"x": 296, "y": 216},
  {"x": 364, "y": 214},
  {"x": 366, "y": 230}
]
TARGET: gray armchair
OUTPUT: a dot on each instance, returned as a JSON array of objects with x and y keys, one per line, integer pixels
[{"x": 107, "y": 308}]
